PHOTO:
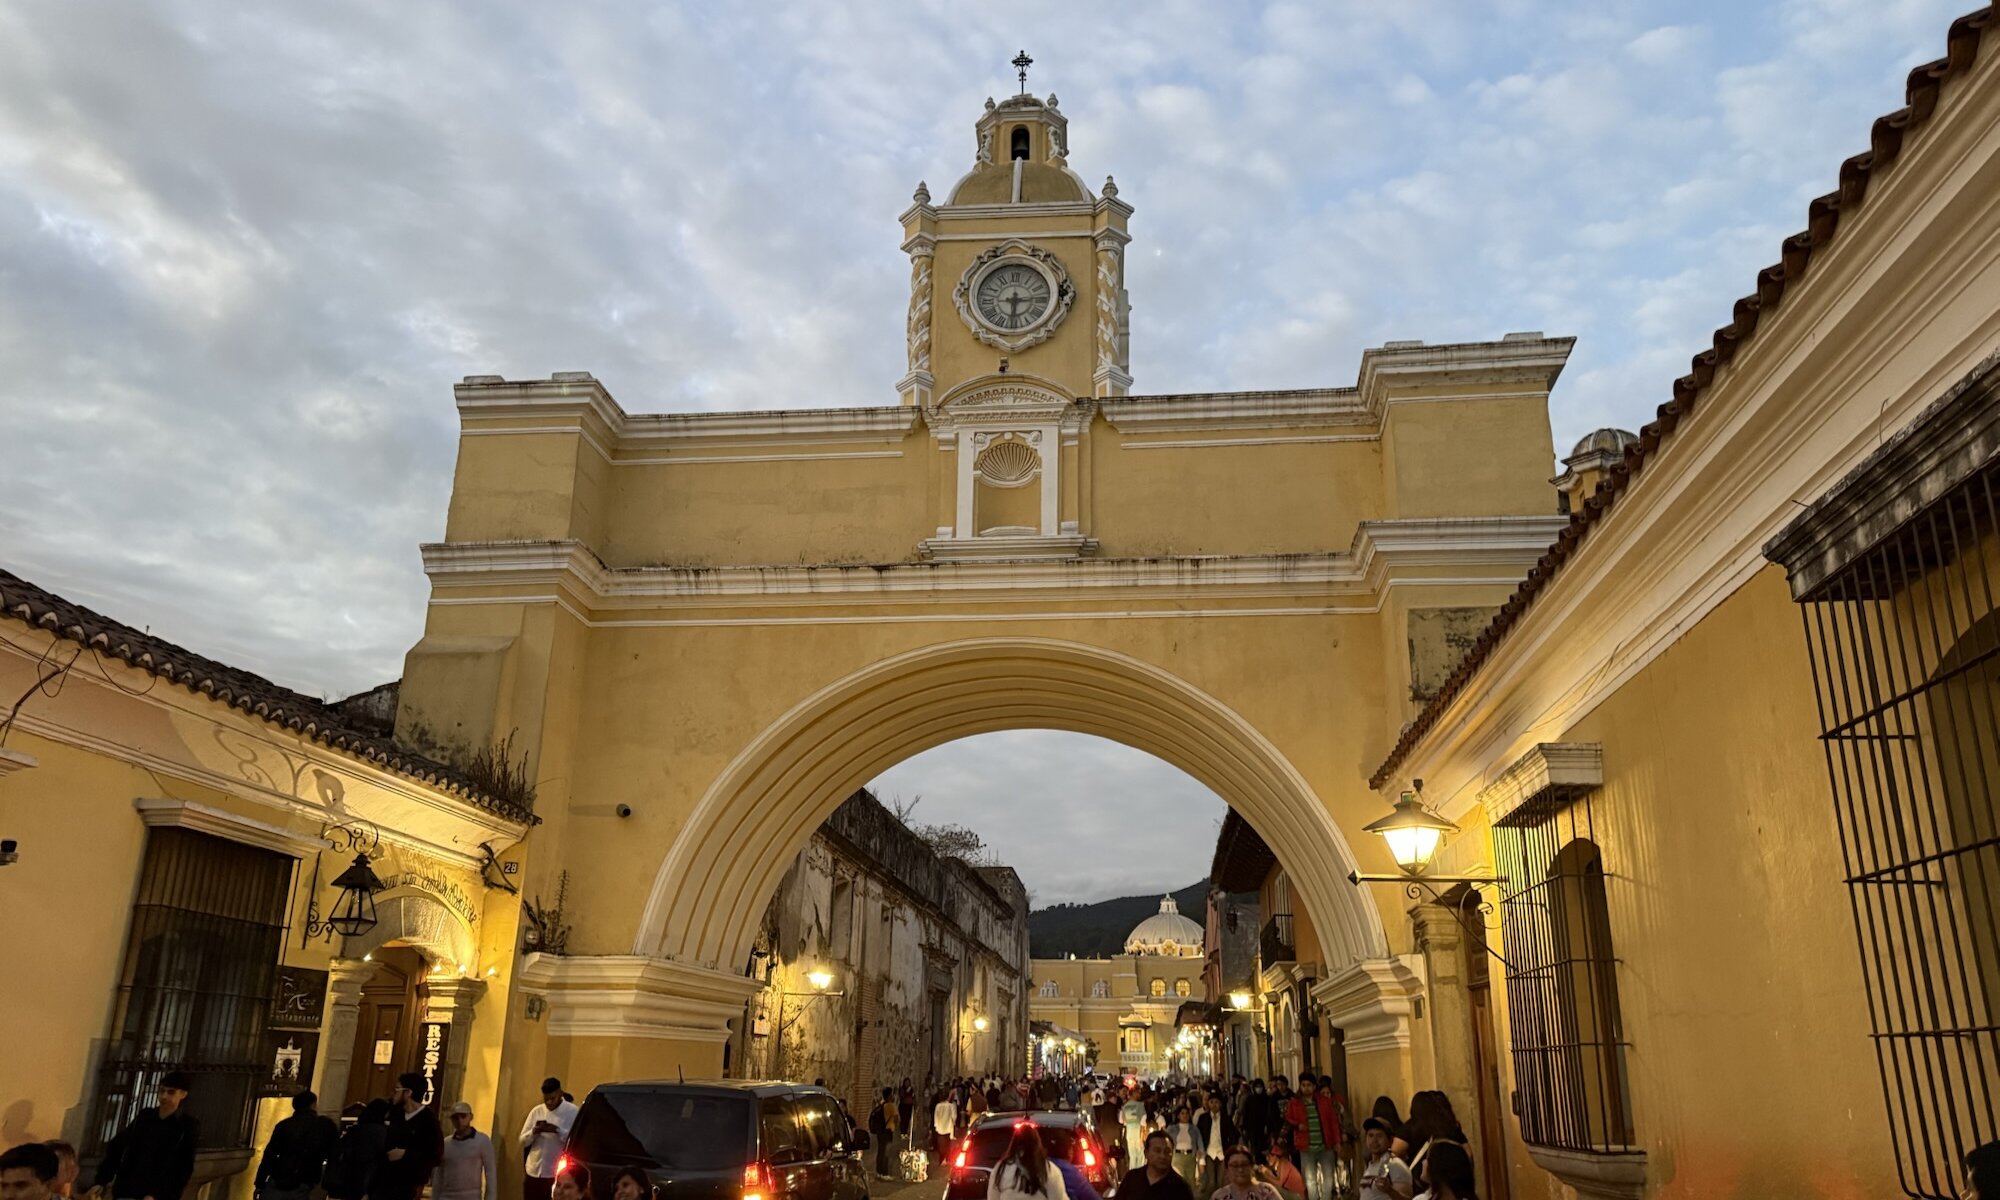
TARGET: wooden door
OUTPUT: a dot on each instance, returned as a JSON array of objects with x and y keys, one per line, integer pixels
[
  {"x": 385, "y": 1043},
  {"x": 1492, "y": 1128}
]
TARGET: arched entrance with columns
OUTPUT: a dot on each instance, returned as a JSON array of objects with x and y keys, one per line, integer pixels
[{"x": 696, "y": 633}]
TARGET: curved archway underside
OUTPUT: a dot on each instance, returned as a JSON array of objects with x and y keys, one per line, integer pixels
[{"x": 719, "y": 874}]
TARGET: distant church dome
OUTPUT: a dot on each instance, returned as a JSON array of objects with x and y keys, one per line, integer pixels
[
  {"x": 1604, "y": 441},
  {"x": 1166, "y": 932}
]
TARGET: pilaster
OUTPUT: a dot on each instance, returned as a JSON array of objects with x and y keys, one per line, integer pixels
[
  {"x": 344, "y": 980},
  {"x": 1441, "y": 940}
]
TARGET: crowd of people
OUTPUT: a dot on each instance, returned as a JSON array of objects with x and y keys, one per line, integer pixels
[{"x": 1240, "y": 1139}]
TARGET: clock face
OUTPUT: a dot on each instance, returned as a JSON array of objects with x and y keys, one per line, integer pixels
[{"x": 1012, "y": 296}]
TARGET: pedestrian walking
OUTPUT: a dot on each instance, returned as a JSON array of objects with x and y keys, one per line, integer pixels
[
  {"x": 882, "y": 1125},
  {"x": 1432, "y": 1124},
  {"x": 28, "y": 1172},
  {"x": 1241, "y": 1182},
  {"x": 153, "y": 1157},
  {"x": 542, "y": 1136},
  {"x": 1132, "y": 1115},
  {"x": 1316, "y": 1136},
  {"x": 295, "y": 1157},
  {"x": 944, "y": 1124},
  {"x": 632, "y": 1184},
  {"x": 67, "y": 1168},
  {"x": 906, "y": 1108},
  {"x": 1025, "y": 1172},
  {"x": 1152, "y": 1176},
  {"x": 467, "y": 1170},
  {"x": 415, "y": 1142},
  {"x": 1383, "y": 1175},
  {"x": 1280, "y": 1173},
  {"x": 351, "y": 1171},
  {"x": 1186, "y": 1153},
  {"x": 1217, "y": 1135},
  {"x": 1448, "y": 1173}
]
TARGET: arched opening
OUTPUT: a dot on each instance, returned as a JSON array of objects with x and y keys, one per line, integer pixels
[
  {"x": 1018, "y": 142},
  {"x": 1586, "y": 990},
  {"x": 711, "y": 891}
]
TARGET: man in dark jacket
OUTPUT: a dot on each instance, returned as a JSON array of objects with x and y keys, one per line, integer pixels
[
  {"x": 1215, "y": 1135},
  {"x": 153, "y": 1157},
  {"x": 416, "y": 1142},
  {"x": 296, "y": 1153}
]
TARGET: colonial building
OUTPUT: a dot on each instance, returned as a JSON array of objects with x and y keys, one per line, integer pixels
[
  {"x": 184, "y": 831},
  {"x": 1127, "y": 1006},
  {"x": 1230, "y": 981},
  {"x": 1729, "y": 751},
  {"x": 886, "y": 961}
]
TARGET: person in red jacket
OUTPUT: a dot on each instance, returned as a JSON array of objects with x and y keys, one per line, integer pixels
[{"x": 1316, "y": 1133}]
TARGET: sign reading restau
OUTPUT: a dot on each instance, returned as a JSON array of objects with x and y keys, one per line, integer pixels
[{"x": 433, "y": 1037}]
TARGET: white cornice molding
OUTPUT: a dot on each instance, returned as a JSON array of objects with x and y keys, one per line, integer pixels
[
  {"x": 1502, "y": 547},
  {"x": 1372, "y": 1001},
  {"x": 1549, "y": 771},
  {"x": 1235, "y": 410},
  {"x": 203, "y": 818},
  {"x": 12, "y": 761},
  {"x": 632, "y": 996},
  {"x": 1026, "y": 208}
]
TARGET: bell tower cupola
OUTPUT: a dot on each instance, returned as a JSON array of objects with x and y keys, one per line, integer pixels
[{"x": 1021, "y": 269}]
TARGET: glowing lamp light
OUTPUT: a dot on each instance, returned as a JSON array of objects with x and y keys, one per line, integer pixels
[
  {"x": 1414, "y": 833},
  {"x": 979, "y": 1023},
  {"x": 1239, "y": 1000},
  {"x": 821, "y": 979}
]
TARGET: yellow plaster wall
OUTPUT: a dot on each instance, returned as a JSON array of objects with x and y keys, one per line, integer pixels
[
  {"x": 1739, "y": 977},
  {"x": 522, "y": 485},
  {"x": 1307, "y": 496},
  {"x": 1468, "y": 457},
  {"x": 1068, "y": 358}
]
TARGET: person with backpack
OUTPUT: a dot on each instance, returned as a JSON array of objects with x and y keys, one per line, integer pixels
[
  {"x": 296, "y": 1155},
  {"x": 882, "y": 1127},
  {"x": 350, "y": 1172}
]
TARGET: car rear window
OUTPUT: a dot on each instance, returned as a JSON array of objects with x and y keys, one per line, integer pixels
[
  {"x": 667, "y": 1128},
  {"x": 990, "y": 1143}
]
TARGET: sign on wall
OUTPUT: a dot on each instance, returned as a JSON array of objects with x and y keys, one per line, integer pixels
[
  {"x": 291, "y": 1030},
  {"x": 432, "y": 1038}
]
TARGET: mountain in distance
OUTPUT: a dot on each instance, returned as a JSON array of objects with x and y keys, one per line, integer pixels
[{"x": 1098, "y": 930}]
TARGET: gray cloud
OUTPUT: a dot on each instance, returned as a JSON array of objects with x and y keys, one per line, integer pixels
[{"x": 244, "y": 250}]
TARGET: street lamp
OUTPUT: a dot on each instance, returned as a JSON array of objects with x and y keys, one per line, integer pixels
[
  {"x": 1239, "y": 1000},
  {"x": 1413, "y": 832},
  {"x": 354, "y": 913},
  {"x": 979, "y": 1024},
  {"x": 354, "y": 910},
  {"x": 820, "y": 978}
]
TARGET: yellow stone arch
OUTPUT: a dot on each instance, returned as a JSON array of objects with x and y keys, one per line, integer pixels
[{"x": 704, "y": 904}]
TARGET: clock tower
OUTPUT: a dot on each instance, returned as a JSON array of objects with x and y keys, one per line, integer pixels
[
  {"x": 1021, "y": 270},
  {"x": 1018, "y": 326}
]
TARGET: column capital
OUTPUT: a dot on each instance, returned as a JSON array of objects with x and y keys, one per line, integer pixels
[
  {"x": 345, "y": 977},
  {"x": 1437, "y": 928},
  {"x": 453, "y": 998}
]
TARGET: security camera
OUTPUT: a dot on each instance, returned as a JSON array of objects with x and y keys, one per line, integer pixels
[
  {"x": 9, "y": 854},
  {"x": 624, "y": 810}
]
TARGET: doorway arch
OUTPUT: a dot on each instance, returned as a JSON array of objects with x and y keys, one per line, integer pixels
[{"x": 728, "y": 858}]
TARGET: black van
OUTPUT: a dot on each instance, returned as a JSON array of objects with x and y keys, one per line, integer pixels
[{"x": 724, "y": 1139}]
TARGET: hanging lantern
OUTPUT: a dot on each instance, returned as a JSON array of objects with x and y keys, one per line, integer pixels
[
  {"x": 354, "y": 913},
  {"x": 1414, "y": 833}
]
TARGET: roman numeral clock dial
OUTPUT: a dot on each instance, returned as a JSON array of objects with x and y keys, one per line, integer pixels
[{"x": 1013, "y": 296}]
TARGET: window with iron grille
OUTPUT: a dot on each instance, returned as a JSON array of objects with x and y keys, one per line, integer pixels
[
  {"x": 1564, "y": 1030},
  {"x": 1895, "y": 570},
  {"x": 1906, "y": 651},
  {"x": 201, "y": 958}
]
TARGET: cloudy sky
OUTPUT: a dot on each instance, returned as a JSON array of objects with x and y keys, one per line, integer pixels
[{"x": 246, "y": 249}]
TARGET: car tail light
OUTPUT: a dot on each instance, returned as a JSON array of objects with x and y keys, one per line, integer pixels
[
  {"x": 756, "y": 1180},
  {"x": 964, "y": 1148},
  {"x": 1089, "y": 1155}
]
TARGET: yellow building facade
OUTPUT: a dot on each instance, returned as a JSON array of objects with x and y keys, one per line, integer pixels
[
  {"x": 1732, "y": 745},
  {"x": 1126, "y": 1006},
  {"x": 707, "y": 629},
  {"x": 178, "y": 826}
]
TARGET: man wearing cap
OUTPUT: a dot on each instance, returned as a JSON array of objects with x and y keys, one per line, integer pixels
[
  {"x": 296, "y": 1153},
  {"x": 542, "y": 1138},
  {"x": 466, "y": 1170},
  {"x": 153, "y": 1157}
]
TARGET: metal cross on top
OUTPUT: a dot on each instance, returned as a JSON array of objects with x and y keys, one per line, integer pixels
[{"x": 1021, "y": 64}]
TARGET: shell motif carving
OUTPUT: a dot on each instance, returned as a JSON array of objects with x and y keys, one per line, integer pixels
[{"x": 1008, "y": 462}]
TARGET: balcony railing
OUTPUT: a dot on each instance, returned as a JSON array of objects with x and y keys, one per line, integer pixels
[{"x": 1275, "y": 945}]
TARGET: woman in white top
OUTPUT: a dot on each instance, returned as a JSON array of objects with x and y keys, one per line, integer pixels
[{"x": 1025, "y": 1172}]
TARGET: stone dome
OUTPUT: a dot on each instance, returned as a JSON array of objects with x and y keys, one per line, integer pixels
[
  {"x": 1610, "y": 442},
  {"x": 1166, "y": 932}
]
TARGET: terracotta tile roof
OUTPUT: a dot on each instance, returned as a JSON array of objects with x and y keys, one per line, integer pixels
[
  {"x": 31, "y": 605},
  {"x": 1962, "y": 44}
]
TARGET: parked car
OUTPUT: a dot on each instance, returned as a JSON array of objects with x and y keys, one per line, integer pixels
[
  {"x": 1064, "y": 1135},
  {"x": 721, "y": 1140}
]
